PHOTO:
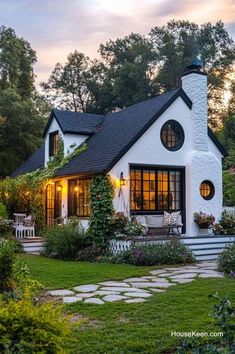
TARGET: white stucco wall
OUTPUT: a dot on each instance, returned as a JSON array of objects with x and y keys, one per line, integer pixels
[
  {"x": 68, "y": 139},
  {"x": 71, "y": 139},
  {"x": 199, "y": 165},
  {"x": 54, "y": 126}
]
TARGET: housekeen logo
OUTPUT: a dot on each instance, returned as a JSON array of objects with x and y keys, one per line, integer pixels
[{"x": 192, "y": 334}]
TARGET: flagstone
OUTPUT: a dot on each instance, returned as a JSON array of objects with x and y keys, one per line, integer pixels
[
  {"x": 94, "y": 300},
  {"x": 86, "y": 288},
  {"x": 85, "y": 295},
  {"x": 138, "y": 294},
  {"x": 112, "y": 298},
  {"x": 135, "y": 279},
  {"x": 153, "y": 284},
  {"x": 161, "y": 280},
  {"x": 183, "y": 281},
  {"x": 61, "y": 292},
  {"x": 158, "y": 271},
  {"x": 106, "y": 292},
  {"x": 121, "y": 289},
  {"x": 71, "y": 299},
  {"x": 114, "y": 283},
  {"x": 210, "y": 275},
  {"x": 156, "y": 290},
  {"x": 184, "y": 276}
]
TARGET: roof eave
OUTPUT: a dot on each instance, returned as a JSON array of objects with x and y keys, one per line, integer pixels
[
  {"x": 52, "y": 115},
  {"x": 217, "y": 143}
]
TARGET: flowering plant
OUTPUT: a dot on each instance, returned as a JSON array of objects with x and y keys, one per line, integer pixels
[
  {"x": 125, "y": 228},
  {"x": 204, "y": 220}
]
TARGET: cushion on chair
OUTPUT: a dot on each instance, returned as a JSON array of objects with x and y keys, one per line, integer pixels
[{"x": 172, "y": 219}]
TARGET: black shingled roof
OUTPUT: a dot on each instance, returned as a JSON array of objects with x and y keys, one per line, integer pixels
[
  {"x": 75, "y": 122},
  {"x": 120, "y": 130},
  {"x": 111, "y": 136},
  {"x": 33, "y": 163}
]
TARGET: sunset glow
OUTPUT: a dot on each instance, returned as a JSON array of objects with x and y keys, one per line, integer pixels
[{"x": 56, "y": 27}]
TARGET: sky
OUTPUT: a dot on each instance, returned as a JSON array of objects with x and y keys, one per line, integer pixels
[{"x": 55, "y": 28}]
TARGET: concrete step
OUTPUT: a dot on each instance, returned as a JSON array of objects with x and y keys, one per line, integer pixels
[{"x": 33, "y": 245}]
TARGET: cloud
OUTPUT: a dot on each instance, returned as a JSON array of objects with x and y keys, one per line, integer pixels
[{"x": 57, "y": 27}]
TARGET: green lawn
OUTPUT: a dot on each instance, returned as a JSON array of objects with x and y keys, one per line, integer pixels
[
  {"x": 61, "y": 274},
  {"x": 118, "y": 328}
]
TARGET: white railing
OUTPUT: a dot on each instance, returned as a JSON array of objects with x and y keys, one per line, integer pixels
[
  {"x": 230, "y": 210},
  {"x": 117, "y": 246}
]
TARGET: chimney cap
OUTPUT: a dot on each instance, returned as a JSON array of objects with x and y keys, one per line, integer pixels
[{"x": 195, "y": 67}]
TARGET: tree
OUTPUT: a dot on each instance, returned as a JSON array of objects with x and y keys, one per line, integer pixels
[
  {"x": 131, "y": 69},
  {"x": 16, "y": 63},
  {"x": 175, "y": 47},
  {"x": 69, "y": 82},
  {"x": 135, "y": 68},
  {"x": 21, "y": 129}
]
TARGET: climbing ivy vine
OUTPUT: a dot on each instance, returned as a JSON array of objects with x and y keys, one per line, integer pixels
[
  {"x": 26, "y": 193},
  {"x": 102, "y": 211}
]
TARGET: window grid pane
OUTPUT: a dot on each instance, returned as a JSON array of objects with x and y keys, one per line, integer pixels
[
  {"x": 155, "y": 190},
  {"x": 79, "y": 197}
]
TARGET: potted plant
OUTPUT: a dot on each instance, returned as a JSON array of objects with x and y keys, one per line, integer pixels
[{"x": 204, "y": 221}]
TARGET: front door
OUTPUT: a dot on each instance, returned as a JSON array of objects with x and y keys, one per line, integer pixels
[{"x": 53, "y": 203}]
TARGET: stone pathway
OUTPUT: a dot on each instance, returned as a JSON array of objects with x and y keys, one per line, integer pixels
[{"x": 137, "y": 289}]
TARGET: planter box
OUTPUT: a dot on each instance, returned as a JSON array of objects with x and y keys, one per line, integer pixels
[{"x": 203, "y": 232}]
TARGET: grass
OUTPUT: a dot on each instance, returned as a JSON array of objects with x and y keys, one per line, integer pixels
[
  {"x": 64, "y": 274},
  {"x": 146, "y": 327},
  {"x": 118, "y": 328}
]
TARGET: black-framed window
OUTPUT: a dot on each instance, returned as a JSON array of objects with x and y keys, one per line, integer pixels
[
  {"x": 172, "y": 135},
  {"x": 155, "y": 189},
  {"x": 207, "y": 190},
  {"x": 53, "y": 143},
  {"x": 78, "y": 197}
]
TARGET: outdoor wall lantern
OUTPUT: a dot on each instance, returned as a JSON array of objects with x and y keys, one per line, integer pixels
[
  {"x": 122, "y": 180},
  {"x": 76, "y": 189},
  {"x": 59, "y": 188}
]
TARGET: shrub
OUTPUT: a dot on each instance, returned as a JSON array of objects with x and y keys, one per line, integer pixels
[
  {"x": 7, "y": 258},
  {"x": 92, "y": 253},
  {"x": 64, "y": 241},
  {"x": 6, "y": 228},
  {"x": 162, "y": 253},
  {"x": 3, "y": 212},
  {"x": 226, "y": 260},
  {"x": 228, "y": 223},
  {"x": 28, "y": 328},
  {"x": 228, "y": 188}
]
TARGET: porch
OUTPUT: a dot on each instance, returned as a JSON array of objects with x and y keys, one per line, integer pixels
[{"x": 205, "y": 248}]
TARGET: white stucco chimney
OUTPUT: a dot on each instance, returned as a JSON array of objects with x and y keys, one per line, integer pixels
[{"x": 194, "y": 83}]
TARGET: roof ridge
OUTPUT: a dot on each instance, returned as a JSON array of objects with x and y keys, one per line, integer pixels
[{"x": 145, "y": 101}]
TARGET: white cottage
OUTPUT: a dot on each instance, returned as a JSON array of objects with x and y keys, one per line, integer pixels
[{"x": 160, "y": 153}]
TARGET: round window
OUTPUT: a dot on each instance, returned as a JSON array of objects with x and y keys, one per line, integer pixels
[
  {"x": 172, "y": 135},
  {"x": 207, "y": 190}
]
